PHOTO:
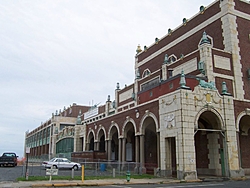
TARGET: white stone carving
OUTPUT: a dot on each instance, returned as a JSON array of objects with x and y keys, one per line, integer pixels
[{"x": 170, "y": 121}]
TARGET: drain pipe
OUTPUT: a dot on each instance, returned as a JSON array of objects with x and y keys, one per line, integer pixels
[
  {"x": 182, "y": 138},
  {"x": 227, "y": 174}
]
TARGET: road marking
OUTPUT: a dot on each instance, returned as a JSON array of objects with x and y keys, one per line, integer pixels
[
  {"x": 120, "y": 186},
  {"x": 204, "y": 185}
]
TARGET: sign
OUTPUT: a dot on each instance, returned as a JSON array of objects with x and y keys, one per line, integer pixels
[
  {"x": 27, "y": 149},
  {"x": 51, "y": 172}
]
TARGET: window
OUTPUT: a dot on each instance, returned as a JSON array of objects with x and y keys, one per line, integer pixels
[
  {"x": 150, "y": 84},
  {"x": 146, "y": 73},
  {"x": 172, "y": 58}
]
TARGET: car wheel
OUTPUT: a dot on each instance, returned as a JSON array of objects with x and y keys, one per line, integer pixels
[
  {"x": 54, "y": 166},
  {"x": 75, "y": 167}
]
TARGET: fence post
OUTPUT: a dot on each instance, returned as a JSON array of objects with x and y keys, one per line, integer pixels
[
  {"x": 72, "y": 173},
  {"x": 113, "y": 172},
  {"x": 82, "y": 173}
]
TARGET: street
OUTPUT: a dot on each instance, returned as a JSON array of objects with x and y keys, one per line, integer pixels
[
  {"x": 9, "y": 174},
  {"x": 227, "y": 184}
]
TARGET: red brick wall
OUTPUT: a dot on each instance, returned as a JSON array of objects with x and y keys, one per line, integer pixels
[
  {"x": 181, "y": 31},
  {"x": 121, "y": 118},
  {"x": 201, "y": 150},
  {"x": 244, "y": 31},
  {"x": 242, "y": 6}
]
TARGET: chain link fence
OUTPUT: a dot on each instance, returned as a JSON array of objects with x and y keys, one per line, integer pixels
[{"x": 91, "y": 168}]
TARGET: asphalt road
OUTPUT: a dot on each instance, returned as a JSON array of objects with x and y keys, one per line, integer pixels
[
  {"x": 227, "y": 184},
  {"x": 12, "y": 173}
]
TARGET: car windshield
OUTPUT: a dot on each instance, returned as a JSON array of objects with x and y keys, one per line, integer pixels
[
  {"x": 66, "y": 160},
  {"x": 51, "y": 160}
]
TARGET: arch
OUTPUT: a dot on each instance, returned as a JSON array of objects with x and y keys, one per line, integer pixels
[
  {"x": 146, "y": 115},
  {"x": 91, "y": 131},
  {"x": 172, "y": 58},
  {"x": 148, "y": 132},
  {"x": 209, "y": 142},
  {"x": 64, "y": 133},
  {"x": 113, "y": 124},
  {"x": 65, "y": 145},
  {"x": 146, "y": 73},
  {"x": 128, "y": 120},
  {"x": 242, "y": 114},
  {"x": 221, "y": 121},
  {"x": 98, "y": 133}
]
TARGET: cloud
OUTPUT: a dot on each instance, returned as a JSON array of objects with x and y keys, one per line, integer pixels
[{"x": 54, "y": 53}]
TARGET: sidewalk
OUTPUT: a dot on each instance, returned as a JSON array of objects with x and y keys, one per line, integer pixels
[{"x": 66, "y": 183}]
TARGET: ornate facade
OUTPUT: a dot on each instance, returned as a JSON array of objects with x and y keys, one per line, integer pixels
[{"x": 187, "y": 112}]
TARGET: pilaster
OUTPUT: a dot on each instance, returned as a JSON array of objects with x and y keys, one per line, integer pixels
[{"x": 231, "y": 44}]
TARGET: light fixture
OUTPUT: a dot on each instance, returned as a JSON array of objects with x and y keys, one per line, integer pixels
[{"x": 201, "y": 67}]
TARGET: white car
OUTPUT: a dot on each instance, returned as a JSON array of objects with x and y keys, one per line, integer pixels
[{"x": 61, "y": 163}]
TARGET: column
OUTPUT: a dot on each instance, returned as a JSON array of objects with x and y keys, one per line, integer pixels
[
  {"x": 120, "y": 150},
  {"x": 142, "y": 155},
  {"x": 87, "y": 146},
  {"x": 123, "y": 149},
  {"x": 97, "y": 146},
  {"x": 158, "y": 149},
  {"x": 109, "y": 150},
  {"x": 137, "y": 150}
]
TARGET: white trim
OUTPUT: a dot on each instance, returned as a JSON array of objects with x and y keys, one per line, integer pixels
[
  {"x": 242, "y": 15},
  {"x": 181, "y": 38},
  {"x": 189, "y": 19},
  {"x": 224, "y": 76},
  {"x": 127, "y": 104}
]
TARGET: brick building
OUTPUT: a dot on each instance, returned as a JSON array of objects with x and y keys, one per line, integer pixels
[{"x": 188, "y": 110}]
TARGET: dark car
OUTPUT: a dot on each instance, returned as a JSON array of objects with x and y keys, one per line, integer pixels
[{"x": 8, "y": 159}]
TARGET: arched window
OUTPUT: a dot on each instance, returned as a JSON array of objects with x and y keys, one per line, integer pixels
[{"x": 146, "y": 73}]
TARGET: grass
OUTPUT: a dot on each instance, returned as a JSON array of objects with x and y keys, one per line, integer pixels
[{"x": 42, "y": 178}]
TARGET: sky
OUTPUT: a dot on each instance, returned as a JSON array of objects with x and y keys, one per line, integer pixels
[{"x": 54, "y": 53}]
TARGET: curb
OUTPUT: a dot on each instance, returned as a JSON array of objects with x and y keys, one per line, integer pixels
[{"x": 97, "y": 184}]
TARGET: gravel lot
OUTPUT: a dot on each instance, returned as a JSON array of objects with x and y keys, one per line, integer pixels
[{"x": 12, "y": 173}]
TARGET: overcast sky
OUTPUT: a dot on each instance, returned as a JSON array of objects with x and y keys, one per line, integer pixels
[{"x": 54, "y": 53}]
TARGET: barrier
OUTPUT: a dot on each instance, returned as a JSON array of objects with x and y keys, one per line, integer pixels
[{"x": 103, "y": 167}]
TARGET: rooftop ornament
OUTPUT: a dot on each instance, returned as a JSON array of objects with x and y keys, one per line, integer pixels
[
  {"x": 184, "y": 21},
  {"x": 117, "y": 85},
  {"x": 201, "y": 67},
  {"x": 166, "y": 59},
  {"x": 170, "y": 31},
  {"x": 145, "y": 48},
  {"x": 78, "y": 121},
  {"x": 209, "y": 85},
  {"x": 182, "y": 56},
  {"x": 156, "y": 40},
  {"x": 202, "y": 9},
  {"x": 183, "y": 81},
  {"x": 138, "y": 50},
  {"x": 204, "y": 39},
  {"x": 224, "y": 89}
]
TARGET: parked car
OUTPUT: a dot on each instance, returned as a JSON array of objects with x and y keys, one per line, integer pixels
[
  {"x": 8, "y": 159},
  {"x": 61, "y": 163}
]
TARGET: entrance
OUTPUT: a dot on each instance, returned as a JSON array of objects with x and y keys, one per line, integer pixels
[
  {"x": 244, "y": 139},
  {"x": 171, "y": 157},
  {"x": 209, "y": 146}
]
